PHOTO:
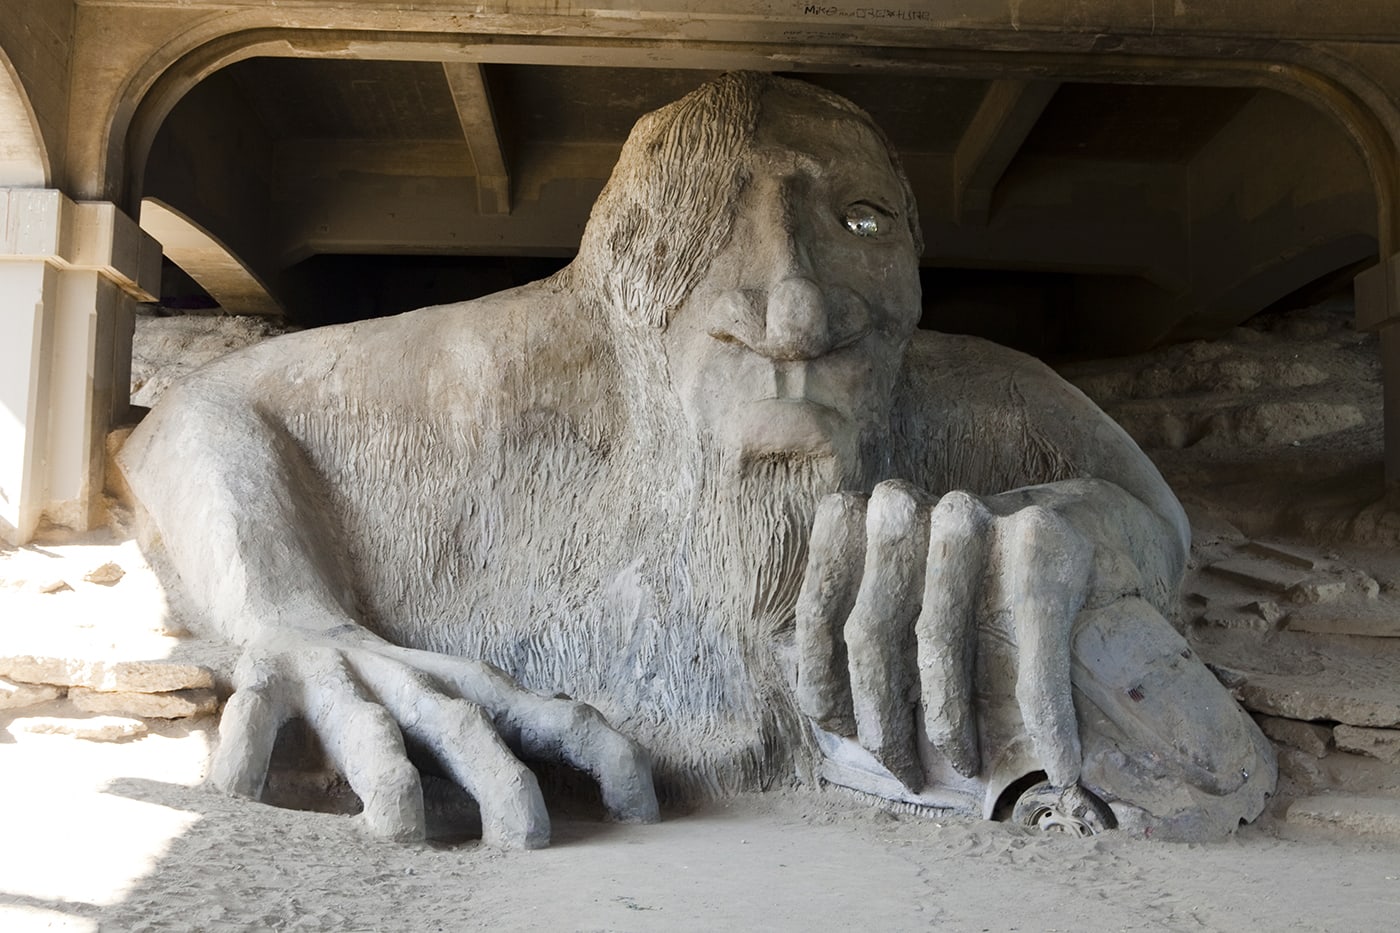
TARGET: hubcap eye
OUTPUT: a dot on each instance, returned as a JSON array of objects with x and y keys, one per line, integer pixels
[{"x": 865, "y": 220}]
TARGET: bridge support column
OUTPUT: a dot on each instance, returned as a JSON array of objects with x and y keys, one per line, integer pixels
[{"x": 70, "y": 276}]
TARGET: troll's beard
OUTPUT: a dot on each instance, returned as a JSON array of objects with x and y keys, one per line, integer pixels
[{"x": 729, "y": 594}]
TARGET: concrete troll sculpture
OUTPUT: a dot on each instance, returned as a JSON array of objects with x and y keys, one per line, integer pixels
[{"x": 701, "y": 513}]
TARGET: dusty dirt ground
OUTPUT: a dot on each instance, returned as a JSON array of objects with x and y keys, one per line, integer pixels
[{"x": 119, "y": 835}]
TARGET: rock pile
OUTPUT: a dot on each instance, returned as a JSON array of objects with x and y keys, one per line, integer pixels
[
  {"x": 1306, "y": 641},
  {"x": 123, "y": 693}
]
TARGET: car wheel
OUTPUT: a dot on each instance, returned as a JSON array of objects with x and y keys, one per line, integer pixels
[{"x": 1071, "y": 810}]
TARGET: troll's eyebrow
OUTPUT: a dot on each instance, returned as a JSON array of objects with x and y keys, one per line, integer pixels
[{"x": 794, "y": 161}]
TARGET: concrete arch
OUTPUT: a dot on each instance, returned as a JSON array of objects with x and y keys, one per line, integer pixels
[
  {"x": 1364, "y": 110},
  {"x": 225, "y": 276},
  {"x": 24, "y": 160}
]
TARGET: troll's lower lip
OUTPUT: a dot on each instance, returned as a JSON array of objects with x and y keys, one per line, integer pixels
[{"x": 787, "y": 425}]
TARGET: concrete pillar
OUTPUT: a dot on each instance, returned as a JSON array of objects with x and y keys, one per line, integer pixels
[
  {"x": 26, "y": 289},
  {"x": 1390, "y": 397},
  {"x": 70, "y": 274},
  {"x": 1377, "y": 293}
]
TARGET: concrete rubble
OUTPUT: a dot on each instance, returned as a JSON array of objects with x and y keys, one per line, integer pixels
[
  {"x": 1350, "y": 813},
  {"x": 1307, "y": 642},
  {"x": 1377, "y": 743},
  {"x": 93, "y": 729},
  {"x": 107, "y": 574},
  {"x": 19, "y": 695},
  {"x": 175, "y": 704},
  {"x": 115, "y": 690},
  {"x": 1325, "y": 696},
  {"x": 107, "y": 676},
  {"x": 1312, "y": 738}
]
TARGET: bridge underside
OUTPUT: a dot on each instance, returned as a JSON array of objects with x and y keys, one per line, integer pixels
[{"x": 1065, "y": 217}]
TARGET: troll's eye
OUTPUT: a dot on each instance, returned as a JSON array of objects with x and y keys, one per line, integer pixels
[{"x": 865, "y": 219}]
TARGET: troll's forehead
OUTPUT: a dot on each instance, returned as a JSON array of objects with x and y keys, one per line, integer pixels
[{"x": 670, "y": 203}]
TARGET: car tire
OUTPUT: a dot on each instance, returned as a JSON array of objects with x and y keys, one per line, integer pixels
[{"x": 1073, "y": 810}]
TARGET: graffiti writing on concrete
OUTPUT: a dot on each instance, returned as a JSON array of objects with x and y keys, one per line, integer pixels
[{"x": 864, "y": 12}]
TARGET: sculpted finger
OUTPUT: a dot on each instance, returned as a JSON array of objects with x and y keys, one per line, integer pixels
[
  {"x": 879, "y": 630},
  {"x": 366, "y": 746},
  {"x": 248, "y": 730},
  {"x": 555, "y": 730},
  {"x": 1048, "y": 566},
  {"x": 835, "y": 561},
  {"x": 946, "y": 631},
  {"x": 462, "y": 738},
  {"x": 578, "y": 734}
]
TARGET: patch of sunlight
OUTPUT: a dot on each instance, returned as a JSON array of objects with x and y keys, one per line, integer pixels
[
  {"x": 51, "y": 610},
  {"x": 68, "y": 846},
  {"x": 11, "y": 460},
  {"x": 18, "y": 918},
  {"x": 66, "y": 839}
]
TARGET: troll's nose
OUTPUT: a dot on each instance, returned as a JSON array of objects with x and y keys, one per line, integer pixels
[{"x": 798, "y": 321}]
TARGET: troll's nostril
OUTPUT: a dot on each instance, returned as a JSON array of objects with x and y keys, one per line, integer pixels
[
  {"x": 739, "y": 317},
  {"x": 724, "y": 336}
]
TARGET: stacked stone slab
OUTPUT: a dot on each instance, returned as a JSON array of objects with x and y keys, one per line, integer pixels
[
  {"x": 1343, "y": 696},
  {"x": 118, "y": 691}
]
